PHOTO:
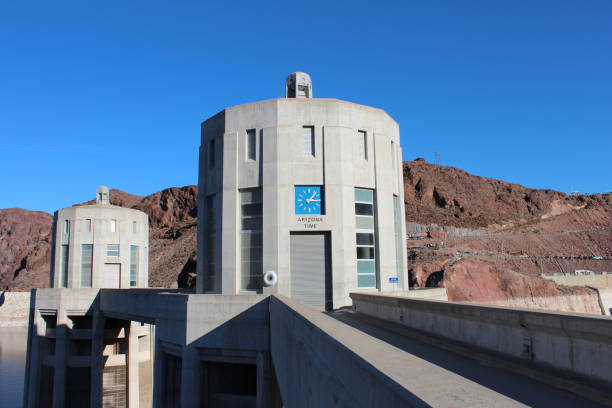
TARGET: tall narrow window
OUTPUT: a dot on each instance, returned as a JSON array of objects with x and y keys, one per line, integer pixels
[
  {"x": 64, "y": 269},
  {"x": 113, "y": 225},
  {"x": 112, "y": 250},
  {"x": 133, "y": 265},
  {"x": 366, "y": 257},
  {"x": 67, "y": 227},
  {"x": 88, "y": 225},
  {"x": 308, "y": 141},
  {"x": 134, "y": 227},
  {"x": 362, "y": 145},
  {"x": 211, "y": 154},
  {"x": 86, "y": 262},
  {"x": 211, "y": 208},
  {"x": 251, "y": 239},
  {"x": 251, "y": 143},
  {"x": 398, "y": 236}
]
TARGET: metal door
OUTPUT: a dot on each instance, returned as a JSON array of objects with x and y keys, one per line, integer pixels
[
  {"x": 112, "y": 275},
  {"x": 311, "y": 269}
]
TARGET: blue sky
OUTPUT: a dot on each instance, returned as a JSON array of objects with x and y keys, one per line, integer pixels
[{"x": 114, "y": 92}]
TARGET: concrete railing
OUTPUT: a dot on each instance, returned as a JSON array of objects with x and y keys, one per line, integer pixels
[
  {"x": 567, "y": 341},
  {"x": 320, "y": 362}
]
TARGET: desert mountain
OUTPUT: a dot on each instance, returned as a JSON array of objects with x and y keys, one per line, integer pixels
[{"x": 480, "y": 238}]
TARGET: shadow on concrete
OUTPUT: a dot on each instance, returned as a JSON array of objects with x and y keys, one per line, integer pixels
[{"x": 516, "y": 387}]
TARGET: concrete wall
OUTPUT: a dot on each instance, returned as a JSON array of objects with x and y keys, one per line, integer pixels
[
  {"x": 14, "y": 309},
  {"x": 279, "y": 166},
  {"x": 320, "y": 362},
  {"x": 605, "y": 297},
  {"x": 581, "y": 303},
  {"x": 595, "y": 280},
  {"x": 99, "y": 236},
  {"x": 574, "y": 342}
]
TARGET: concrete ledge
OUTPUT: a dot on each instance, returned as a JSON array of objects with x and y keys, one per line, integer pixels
[
  {"x": 574, "y": 342},
  {"x": 14, "y": 309}
]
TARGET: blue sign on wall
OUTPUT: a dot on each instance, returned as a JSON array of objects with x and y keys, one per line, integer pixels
[{"x": 394, "y": 280}]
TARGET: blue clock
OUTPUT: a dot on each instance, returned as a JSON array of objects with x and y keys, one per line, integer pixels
[{"x": 308, "y": 200}]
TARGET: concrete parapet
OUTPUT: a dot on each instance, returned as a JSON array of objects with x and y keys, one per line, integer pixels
[
  {"x": 14, "y": 309},
  {"x": 568, "y": 341}
]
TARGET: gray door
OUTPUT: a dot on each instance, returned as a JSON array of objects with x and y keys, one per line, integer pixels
[
  {"x": 311, "y": 269},
  {"x": 112, "y": 276}
]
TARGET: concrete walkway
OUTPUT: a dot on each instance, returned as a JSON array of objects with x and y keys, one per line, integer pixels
[{"x": 444, "y": 379}]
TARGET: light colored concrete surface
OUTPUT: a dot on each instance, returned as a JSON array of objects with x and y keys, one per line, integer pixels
[
  {"x": 594, "y": 280},
  {"x": 580, "y": 303},
  {"x": 279, "y": 166},
  {"x": 575, "y": 342},
  {"x": 91, "y": 224},
  {"x": 484, "y": 371},
  {"x": 364, "y": 366},
  {"x": 605, "y": 296},
  {"x": 14, "y": 309}
]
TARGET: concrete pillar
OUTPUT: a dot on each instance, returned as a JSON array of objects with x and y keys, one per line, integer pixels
[
  {"x": 97, "y": 361},
  {"x": 158, "y": 374},
  {"x": 36, "y": 329},
  {"x": 133, "y": 365},
  {"x": 190, "y": 378},
  {"x": 61, "y": 357}
]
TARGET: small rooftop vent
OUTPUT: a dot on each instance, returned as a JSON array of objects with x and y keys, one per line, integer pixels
[
  {"x": 298, "y": 85},
  {"x": 102, "y": 196}
]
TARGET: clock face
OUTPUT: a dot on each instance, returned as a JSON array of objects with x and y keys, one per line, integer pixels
[{"x": 308, "y": 199}]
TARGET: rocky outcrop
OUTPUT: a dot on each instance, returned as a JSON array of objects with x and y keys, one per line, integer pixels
[
  {"x": 453, "y": 197},
  {"x": 476, "y": 281},
  {"x": 25, "y": 242}
]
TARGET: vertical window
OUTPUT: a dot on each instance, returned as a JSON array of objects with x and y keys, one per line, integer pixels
[
  {"x": 362, "y": 145},
  {"x": 251, "y": 144},
  {"x": 211, "y": 154},
  {"x": 86, "y": 262},
  {"x": 133, "y": 265},
  {"x": 251, "y": 239},
  {"x": 308, "y": 141},
  {"x": 171, "y": 394},
  {"x": 112, "y": 250},
  {"x": 211, "y": 207},
  {"x": 64, "y": 268},
  {"x": 88, "y": 225},
  {"x": 398, "y": 236},
  {"x": 113, "y": 225},
  {"x": 67, "y": 227},
  {"x": 133, "y": 227},
  {"x": 366, "y": 257}
]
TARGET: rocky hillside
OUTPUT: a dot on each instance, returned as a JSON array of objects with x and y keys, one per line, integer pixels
[
  {"x": 485, "y": 240},
  {"x": 25, "y": 242}
]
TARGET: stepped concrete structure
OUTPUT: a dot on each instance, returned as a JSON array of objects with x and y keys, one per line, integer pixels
[
  {"x": 100, "y": 246},
  {"x": 308, "y": 189},
  {"x": 299, "y": 212},
  {"x": 81, "y": 357}
]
